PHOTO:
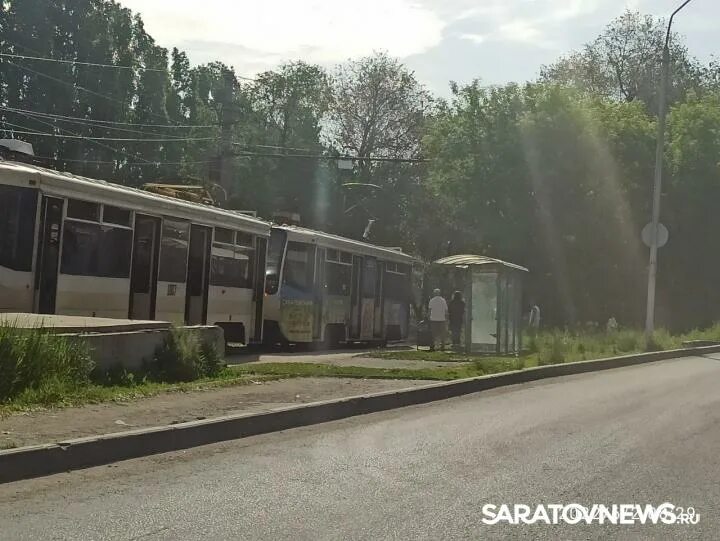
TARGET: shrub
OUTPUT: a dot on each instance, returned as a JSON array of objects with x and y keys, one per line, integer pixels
[
  {"x": 531, "y": 344},
  {"x": 117, "y": 375},
  {"x": 653, "y": 344},
  {"x": 183, "y": 357},
  {"x": 554, "y": 353},
  {"x": 37, "y": 360},
  {"x": 627, "y": 341}
]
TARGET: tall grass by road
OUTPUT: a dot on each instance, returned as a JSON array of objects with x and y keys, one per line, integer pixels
[
  {"x": 34, "y": 361},
  {"x": 556, "y": 346},
  {"x": 39, "y": 367}
]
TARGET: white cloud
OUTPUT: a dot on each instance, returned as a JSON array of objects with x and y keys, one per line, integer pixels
[
  {"x": 440, "y": 39},
  {"x": 475, "y": 38},
  {"x": 519, "y": 31},
  {"x": 244, "y": 32}
]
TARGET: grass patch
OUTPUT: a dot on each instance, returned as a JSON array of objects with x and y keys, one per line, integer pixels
[
  {"x": 555, "y": 347},
  {"x": 39, "y": 370},
  {"x": 479, "y": 367},
  {"x": 94, "y": 393},
  {"x": 425, "y": 355},
  {"x": 546, "y": 348},
  {"x": 36, "y": 361}
]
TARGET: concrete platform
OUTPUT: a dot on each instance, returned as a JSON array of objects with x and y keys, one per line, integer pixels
[
  {"x": 113, "y": 342},
  {"x": 79, "y": 324}
]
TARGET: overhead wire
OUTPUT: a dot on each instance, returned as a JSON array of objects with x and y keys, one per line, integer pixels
[
  {"x": 121, "y": 139},
  {"x": 126, "y": 130},
  {"x": 74, "y": 135},
  {"x": 162, "y": 139},
  {"x": 75, "y": 86},
  {"x": 6, "y": 123},
  {"x": 103, "y": 122},
  {"x": 331, "y": 158},
  {"x": 33, "y": 114},
  {"x": 97, "y": 65},
  {"x": 127, "y": 164}
]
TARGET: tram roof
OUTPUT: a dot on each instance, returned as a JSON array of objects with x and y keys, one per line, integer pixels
[
  {"x": 64, "y": 184},
  {"x": 329, "y": 240}
]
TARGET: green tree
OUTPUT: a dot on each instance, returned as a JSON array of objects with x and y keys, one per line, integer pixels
[
  {"x": 288, "y": 107},
  {"x": 624, "y": 62},
  {"x": 688, "y": 264},
  {"x": 547, "y": 178},
  {"x": 378, "y": 110}
]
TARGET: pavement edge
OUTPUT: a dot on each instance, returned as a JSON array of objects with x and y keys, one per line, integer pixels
[{"x": 48, "y": 459}]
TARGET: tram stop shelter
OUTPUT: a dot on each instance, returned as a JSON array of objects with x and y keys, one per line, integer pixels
[{"x": 492, "y": 290}]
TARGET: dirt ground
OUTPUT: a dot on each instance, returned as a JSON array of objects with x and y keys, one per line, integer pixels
[
  {"x": 351, "y": 357},
  {"x": 59, "y": 425}
]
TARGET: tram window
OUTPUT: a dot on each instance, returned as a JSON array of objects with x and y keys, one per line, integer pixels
[
  {"x": 115, "y": 250},
  {"x": 244, "y": 252},
  {"x": 174, "y": 251},
  {"x": 331, "y": 255},
  {"x": 116, "y": 215},
  {"x": 80, "y": 246},
  {"x": 83, "y": 210},
  {"x": 223, "y": 235},
  {"x": 337, "y": 279},
  {"x": 397, "y": 286},
  {"x": 17, "y": 227},
  {"x": 346, "y": 257},
  {"x": 96, "y": 250},
  {"x": 229, "y": 267},
  {"x": 244, "y": 239},
  {"x": 298, "y": 270},
  {"x": 369, "y": 278}
]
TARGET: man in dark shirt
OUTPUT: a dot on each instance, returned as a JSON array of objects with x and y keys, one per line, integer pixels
[{"x": 456, "y": 317}]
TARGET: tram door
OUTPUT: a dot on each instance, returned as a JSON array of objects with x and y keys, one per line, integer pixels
[
  {"x": 259, "y": 291},
  {"x": 318, "y": 293},
  {"x": 144, "y": 273},
  {"x": 367, "y": 295},
  {"x": 48, "y": 254},
  {"x": 198, "y": 275},
  {"x": 378, "y": 316},
  {"x": 355, "y": 304}
]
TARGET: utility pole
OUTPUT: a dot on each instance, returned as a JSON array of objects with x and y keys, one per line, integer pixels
[
  {"x": 657, "y": 187},
  {"x": 227, "y": 120}
]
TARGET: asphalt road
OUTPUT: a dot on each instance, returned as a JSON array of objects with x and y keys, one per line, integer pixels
[{"x": 647, "y": 434}]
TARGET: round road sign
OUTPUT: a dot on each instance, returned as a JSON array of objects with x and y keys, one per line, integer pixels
[{"x": 662, "y": 235}]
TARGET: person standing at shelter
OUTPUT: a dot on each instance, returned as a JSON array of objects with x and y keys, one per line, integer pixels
[
  {"x": 438, "y": 319},
  {"x": 534, "y": 318},
  {"x": 456, "y": 317}
]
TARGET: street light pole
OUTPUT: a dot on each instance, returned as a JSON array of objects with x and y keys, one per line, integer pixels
[{"x": 657, "y": 187}]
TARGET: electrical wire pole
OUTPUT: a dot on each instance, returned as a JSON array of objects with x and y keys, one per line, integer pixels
[
  {"x": 225, "y": 152},
  {"x": 657, "y": 187}
]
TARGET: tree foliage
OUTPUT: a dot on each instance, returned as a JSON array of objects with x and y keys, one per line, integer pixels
[
  {"x": 624, "y": 63},
  {"x": 555, "y": 174}
]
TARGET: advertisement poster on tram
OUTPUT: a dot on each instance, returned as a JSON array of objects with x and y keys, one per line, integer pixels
[{"x": 296, "y": 320}]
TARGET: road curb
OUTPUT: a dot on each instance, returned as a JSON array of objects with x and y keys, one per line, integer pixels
[{"x": 47, "y": 459}]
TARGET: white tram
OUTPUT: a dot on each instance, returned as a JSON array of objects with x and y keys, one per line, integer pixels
[
  {"x": 77, "y": 246},
  {"x": 325, "y": 288}
]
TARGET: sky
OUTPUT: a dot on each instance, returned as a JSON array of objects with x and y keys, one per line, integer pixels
[{"x": 495, "y": 41}]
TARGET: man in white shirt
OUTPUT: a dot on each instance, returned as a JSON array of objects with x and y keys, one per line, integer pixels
[
  {"x": 438, "y": 319},
  {"x": 534, "y": 318}
]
